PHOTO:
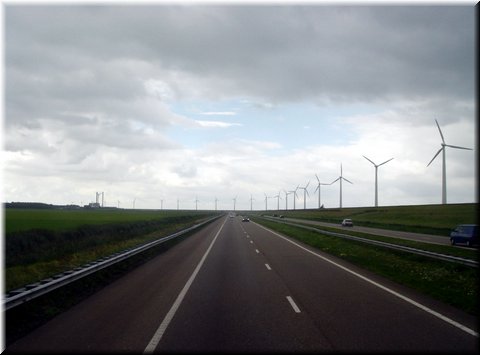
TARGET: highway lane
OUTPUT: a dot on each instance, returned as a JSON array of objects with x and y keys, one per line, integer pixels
[
  {"x": 419, "y": 237},
  {"x": 238, "y": 304},
  {"x": 253, "y": 291},
  {"x": 123, "y": 316}
]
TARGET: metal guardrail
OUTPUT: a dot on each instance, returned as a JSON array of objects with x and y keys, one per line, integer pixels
[
  {"x": 427, "y": 253},
  {"x": 31, "y": 291}
]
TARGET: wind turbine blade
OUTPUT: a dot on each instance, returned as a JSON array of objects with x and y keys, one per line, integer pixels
[
  {"x": 347, "y": 180},
  {"x": 317, "y": 188},
  {"x": 317, "y": 178},
  {"x": 435, "y": 156},
  {"x": 454, "y": 146},
  {"x": 334, "y": 181},
  {"x": 307, "y": 192},
  {"x": 385, "y": 162},
  {"x": 369, "y": 160},
  {"x": 441, "y": 135},
  {"x": 307, "y": 184}
]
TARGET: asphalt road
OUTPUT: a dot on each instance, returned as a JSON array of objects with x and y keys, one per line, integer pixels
[
  {"x": 236, "y": 287},
  {"x": 419, "y": 237}
]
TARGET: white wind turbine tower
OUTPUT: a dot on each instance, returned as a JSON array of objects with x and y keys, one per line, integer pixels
[
  {"x": 196, "y": 203},
  {"x": 444, "y": 174},
  {"x": 266, "y": 197},
  {"x": 216, "y": 199},
  {"x": 305, "y": 193},
  {"x": 234, "y": 202},
  {"x": 286, "y": 199},
  {"x": 318, "y": 188},
  {"x": 278, "y": 200},
  {"x": 341, "y": 178},
  {"x": 294, "y": 195},
  {"x": 376, "y": 177},
  {"x": 251, "y": 199}
]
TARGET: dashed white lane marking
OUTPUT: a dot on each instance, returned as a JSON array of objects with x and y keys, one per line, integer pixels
[
  {"x": 405, "y": 298},
  {"x": 293, "y": 304},
  {"x": 251, "y": 242},
  {"x": 166, "y": 321},
  {"x": 268, "y": 267},
  {"x": 256, "y": 250}
]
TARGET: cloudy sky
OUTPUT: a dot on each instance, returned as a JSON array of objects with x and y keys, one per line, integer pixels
[{"x": 201, "y": 102}]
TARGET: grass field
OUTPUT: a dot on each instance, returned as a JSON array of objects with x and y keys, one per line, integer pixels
[
  {"x": 429, "y": 219},
  {"x": 65, "y": 219},
  {"x": 40, "y": 243}
]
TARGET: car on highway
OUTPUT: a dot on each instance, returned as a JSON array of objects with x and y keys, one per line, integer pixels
[
  {"x": 347, "y": 223},
  {"x": 246, "y": 219},
  {"x": 465, "y": 233}
]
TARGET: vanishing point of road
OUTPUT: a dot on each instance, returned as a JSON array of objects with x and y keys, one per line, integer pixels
[{"x": 238, "y": 287}]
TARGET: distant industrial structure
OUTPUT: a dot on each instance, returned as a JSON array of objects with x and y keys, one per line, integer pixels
[{"x": 96, "y": 204}]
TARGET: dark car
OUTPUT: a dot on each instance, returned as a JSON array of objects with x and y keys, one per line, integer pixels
[
  {"x": 246, "y": 219},
  {"x": 347, "y": 223},
  {"x": 464, "y": 233}
]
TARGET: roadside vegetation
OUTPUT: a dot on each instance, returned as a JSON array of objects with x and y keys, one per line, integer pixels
[
  {"x": 41, "y": 243},
  {"x": 448, "y": 282},
  {"x": 428, "y": 219}
]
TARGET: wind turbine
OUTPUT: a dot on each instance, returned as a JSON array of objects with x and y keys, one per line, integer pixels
[
  {"x": 216, "y": 199},
  {"x": 278, "y": 200},
  {"x": 376, "y": 177},
  {"x": 444, "y": 174},
  {"x": 286, "y": 199},
  {"x": 196, "y": 203},
  {"x": 318, "y": 188},
  {"x": 251, "y": 199},
  {"x": 294, "y": 195},
  {"x": 341, "y": 178},
  {"x": 266, "y": 197},
  {"x": 234, "y": 202},
  {"x": 305, "y": 192}
]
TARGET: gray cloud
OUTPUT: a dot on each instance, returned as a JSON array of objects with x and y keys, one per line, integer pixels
[{"x": 278, "y": 52}]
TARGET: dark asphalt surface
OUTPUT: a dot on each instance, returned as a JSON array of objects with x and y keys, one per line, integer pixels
[
  {"x": 418, "y": 237},
  {"x": 238, "y": 303}
]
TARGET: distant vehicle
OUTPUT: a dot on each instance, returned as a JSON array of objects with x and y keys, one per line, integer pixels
[
  {"x": 282, "y": 216},
  {"x": 464, "y": 233},
  {"x": 347, "y": 223},
  {"x": 246, "y": 219},
  {"x": 231, "y": 216}
]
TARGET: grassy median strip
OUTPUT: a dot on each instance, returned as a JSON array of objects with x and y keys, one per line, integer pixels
[
  {"x": 448, "y": 282},
  {"x": 470, "y": 253}
]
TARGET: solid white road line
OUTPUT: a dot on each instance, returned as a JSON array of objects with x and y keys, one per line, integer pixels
[
  {"x": 268, "y": 267},
  {"x": 166, "y": 321},
  {"x": 293, "y": 304},
  {"x": 256, "y": 250},
  {"x": 405, "y": 298}
]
